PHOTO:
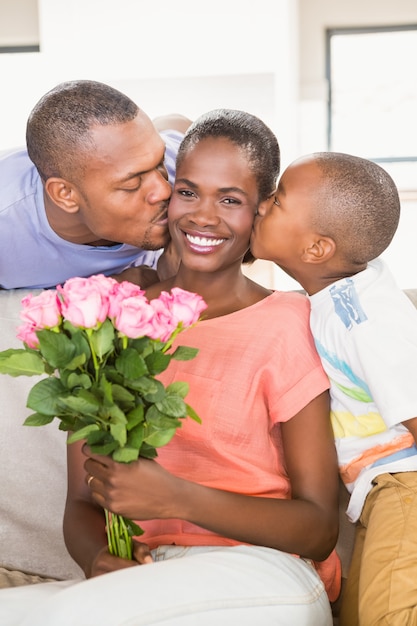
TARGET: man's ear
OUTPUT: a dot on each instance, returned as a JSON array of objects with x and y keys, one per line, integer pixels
[
  {"x": 320, "y": 250},
  {"x": 63, "y": 194}
]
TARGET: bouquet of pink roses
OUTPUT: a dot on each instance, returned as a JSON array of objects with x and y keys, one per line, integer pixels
[{"x": 101, "y": 344}]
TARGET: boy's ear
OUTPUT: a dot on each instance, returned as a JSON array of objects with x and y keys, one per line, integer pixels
[
  {"x": 265, "y": 205},
  {"x": 320, "y": 250},
  {"x": 63, "y": 194}
]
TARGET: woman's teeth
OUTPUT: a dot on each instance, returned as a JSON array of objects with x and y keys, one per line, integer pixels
[{"x": 204, "y": 241}]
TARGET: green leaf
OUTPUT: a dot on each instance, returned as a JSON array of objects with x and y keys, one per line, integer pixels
[
  {"x": 171, "y": 405},
  {"x": 106, "y": 388},
  {"x": 67, "y": 423},
  {"x": 56, "y": 348},
  {"x": 117, "y": 416},
  {"x": 104, "y": 449},
  {"x": 157, "y": 420},
  {"x": 20, "y": 362},
  {"x": 78, "y": 380},
  {"x": 144, "y": 385},
  {"x": 179, "y": 387},
  {"x": 142, "y": 345},
  {"x": 119, "y": 433},
  {"x": 191, "y": 413},
  {"x": 99, "y": 436},
  {"x": 133, "y": 529},
  {"x": 147, "y": 451},
  {"x": 81, "y": 345},
  {"x": 160, "y": 438},
  {"x": 125, "y": 455},
  {"x": 78, "y": 361},
  {"x": 82, "y": 433},
  {"x": 135, "y": 417},
  {"x": 135, "y": 437},
  {"x": 122, "y": 395},
  {"x": 38, "y": 419},
  {"x": 131, "y": 364},
  {"x": 184, "y": 353},
  {"x": 157, "y": 362},
  {"x": 45, "y": 396},
  {"x": 102, "y": 339},
  {"x": 82, "y": 403},
  {"x": 157, "y": 394}
]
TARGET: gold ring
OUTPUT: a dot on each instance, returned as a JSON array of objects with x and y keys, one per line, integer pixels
[{"x": 89, "y": 481}]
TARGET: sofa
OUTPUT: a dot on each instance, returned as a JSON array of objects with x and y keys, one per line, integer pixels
[{"x": 33, "y": 479}]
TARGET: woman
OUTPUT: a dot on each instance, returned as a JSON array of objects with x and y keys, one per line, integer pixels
[{"x": 230, "y": 505}]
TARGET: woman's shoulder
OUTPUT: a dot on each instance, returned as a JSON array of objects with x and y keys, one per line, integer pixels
[
  {"x": 291, "y": 299},
  {"x": 291, "y": 307}
]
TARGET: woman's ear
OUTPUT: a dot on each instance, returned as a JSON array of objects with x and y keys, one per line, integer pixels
[
  {"x": 321, "y": 250},
  {"x": 63, "y": 194}
]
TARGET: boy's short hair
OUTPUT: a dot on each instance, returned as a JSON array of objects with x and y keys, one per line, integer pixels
[{"x": 357, "y": 205}]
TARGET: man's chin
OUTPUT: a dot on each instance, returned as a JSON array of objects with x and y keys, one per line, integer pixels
[{"x": 155, "y": 244}]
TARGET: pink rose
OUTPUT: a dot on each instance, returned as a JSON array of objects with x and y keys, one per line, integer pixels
[
  {"x": 133, "y": 316},
  {"x": 41, "y": 311},
  {"x": 184, "y": 306},
  {"x": 26, "y": 333},
  {"x": 119, "y": 293},
  {"x": 163, "y": 324},
  {"x": 85, "y": 301},
  {"x": 175, "y": 307},
  {"x": 38, "y": 312}
]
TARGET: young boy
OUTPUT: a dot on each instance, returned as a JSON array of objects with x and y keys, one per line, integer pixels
[{"x": 333, "y": 215}]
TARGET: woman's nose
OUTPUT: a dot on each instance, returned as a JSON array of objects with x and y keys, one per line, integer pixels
[{"x": 205, "y": 213}]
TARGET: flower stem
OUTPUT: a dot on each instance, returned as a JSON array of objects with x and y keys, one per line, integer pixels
[
  {"x": 89, "y": 333},
  {"x": 118, "y": 537}
]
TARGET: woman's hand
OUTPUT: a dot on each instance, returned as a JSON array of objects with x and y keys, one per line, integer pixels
[
  {"x": 139, "y": 490},
  {"x": 106, "y": 562}
]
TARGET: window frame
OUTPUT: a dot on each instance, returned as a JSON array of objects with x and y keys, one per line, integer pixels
[{"x": 331, "y": 32}]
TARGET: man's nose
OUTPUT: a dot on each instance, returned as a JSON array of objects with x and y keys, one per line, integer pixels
[{"x": 159, "y": 188}]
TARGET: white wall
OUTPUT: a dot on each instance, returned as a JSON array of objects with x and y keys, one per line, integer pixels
[{"x": 170, "y": 56}]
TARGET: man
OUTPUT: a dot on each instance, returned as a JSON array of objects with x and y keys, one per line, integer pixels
[{"x": 90, "y": 194}]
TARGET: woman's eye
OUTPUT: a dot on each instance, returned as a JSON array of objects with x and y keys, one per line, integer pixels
[
  {"x": 231, "y": 201},
  {"x": 185, "y": 192}
]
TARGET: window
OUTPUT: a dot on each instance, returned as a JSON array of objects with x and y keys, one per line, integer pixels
[{"x": 373, "y": 97}]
